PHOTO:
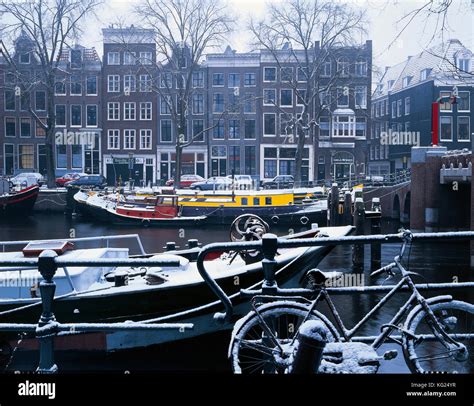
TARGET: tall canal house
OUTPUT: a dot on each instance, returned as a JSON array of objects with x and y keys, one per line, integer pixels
[
  {"x": 77, "y": 108},
  {"x": 401, "y": 105},
  {"x": 247, "y": 100}
]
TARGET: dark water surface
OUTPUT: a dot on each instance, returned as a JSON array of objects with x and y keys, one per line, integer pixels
[{"x": 440, "y": 262}]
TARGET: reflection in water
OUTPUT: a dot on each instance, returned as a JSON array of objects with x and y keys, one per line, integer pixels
[{"x": 440, "y": 262}]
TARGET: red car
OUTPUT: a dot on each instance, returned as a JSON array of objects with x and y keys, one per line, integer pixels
[
  {"x": 186, "y": 181},
  {"x": 67, "y": 177}
]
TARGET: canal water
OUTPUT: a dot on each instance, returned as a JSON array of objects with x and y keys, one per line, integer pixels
[{"x": 440, "y": 262}]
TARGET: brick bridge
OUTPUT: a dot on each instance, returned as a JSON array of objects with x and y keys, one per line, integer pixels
[{"x": 395, "y": 200}]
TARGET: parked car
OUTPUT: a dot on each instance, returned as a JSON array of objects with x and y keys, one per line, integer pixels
[
  {"x": 279, "y": 182},
  {"x": 214, "y": 183},
  {"x": 28, "y": 178},
  {"x": 242, "y": 182},
  {"x": 67, "y": 177},
  {"x": 89, "y": 180},
  {"x": 186, "y": 181}
]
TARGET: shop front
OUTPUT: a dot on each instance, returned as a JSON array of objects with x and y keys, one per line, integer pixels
[
  {"x": 140, "y": 169},
  {"x": 192, "y": 162}
]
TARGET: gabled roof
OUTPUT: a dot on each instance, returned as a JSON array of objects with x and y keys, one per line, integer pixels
[
  {"x": 440, "y": 61},
  {"x": 88, "y": 54}
]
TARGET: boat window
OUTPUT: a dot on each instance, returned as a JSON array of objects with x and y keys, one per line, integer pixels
[
  {"x": 268, "y": 201},
  {"x": 245, "y": 201},
  {"x": 201, "y": 199},
  {"x": 256, "y": 201}
]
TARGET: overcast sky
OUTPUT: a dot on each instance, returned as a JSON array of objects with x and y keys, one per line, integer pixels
[{"x": 384, "y": 16}]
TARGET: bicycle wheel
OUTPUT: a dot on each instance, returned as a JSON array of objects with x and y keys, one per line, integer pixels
[
  {"x": 428, "y": 351},
  {"x": 253, "y": 351}
]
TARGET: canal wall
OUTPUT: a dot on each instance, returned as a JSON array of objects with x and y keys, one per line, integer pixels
[{"x": 51, "y": 200}]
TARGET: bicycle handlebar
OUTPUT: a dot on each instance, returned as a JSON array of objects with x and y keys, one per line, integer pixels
[{"x": 386, "y": 268}]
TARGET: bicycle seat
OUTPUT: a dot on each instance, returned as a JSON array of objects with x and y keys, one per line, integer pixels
[{"x": 318, "y": 277}]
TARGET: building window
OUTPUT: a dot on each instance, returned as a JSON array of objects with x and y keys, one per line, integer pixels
[
  {"x": 129, "y": 83},
  {"x": 198, "y": 79},
  {"x": 91, "y": 85},
  {"x": 113, "y": 83},
  {"x": 343, "y": 126},
  {"x": 361, "y": 97},
  {"x": 60, "y": 114},
  {"x": 217, "y": 79},
  {"x": 269, "y": 124},
  {"x": 76, "y": 152},
  {"x": 166, "y": 80},
  {"x": 40, "y": 131},
  {"x": 10, "y": 127},
  {"x": 425, "y": 73},
  {"x": 250, "y": 79},
  {"x": 286, "y": 127},
  {"x": 269, "y": 97},
  {"x": 198, "y": 103},
  {"x": 342, "y": 97},
  {"x": 218, "y": 103},
  {"x": 165, "y": 105},
  {"x": 250, "y": 160},
  {"x": 464, "y": 101},
  {"x": 234, "y": 159},
  {"x": 361, "y": 127},
  {"x": 234, "y": 129},
  {"x": 301, "y": 99},
  {"x": 61, "y": 156},
  {"x": 446, "y": 105},
  {"x": 269, "y": 74},
  {"x": 406, "y": 81},
  {"x": 394, "y": 109},
  {"x": 250, "y": 129},
  {"x": 286, "y": 97},
  {"x": 249, "y": 103},
  {"x": 129, "y": 111},
  {"x": 343, "y": 66},
  {"x": 76, "y": 85},
  {"x": 60, "y": 88},
  {"x": 146, "y": 58},
  {"x": 25, "y": 58},
  {"x": 26, "y": 156},
  {"x": 302, "y": 74},
  {"x": 165, "y": 133},
  {"x": 91, "y": 115},
  {"x": 145, "y": 139},
  {"x": 113, "y": 58},
  {"x": 129, "y": 58},
  {"x": 270, "y": 162},
  {"x": 113, "y": 111},
  {"x": 361, "y": 67},
  {"x": 76, "y": 115},
  {"x": 286, "y": 74},
  {"x": 324, "y": 127},
  {"x": 129, "y": 141},
  {"x": 145, "y": 110},
  {"x": 25, "y": 127},
  {"x": 10, "y": 100},
  {"x": 234, "y": 80},
  {"x": 198, "y": 130},
  {"x": 463, "y": 64},
  {"x": 326, "y": 69},
  {"x": 145, "y": 84},
  {"x": 218, "y": 130},
  {"x": 407, "y": 106},
  {"x": 464, "y": 133},
  {"x": 399, "y": 107},
  {"x": 113, "y": 139},
  {"x": 446, "y": 124},
  {"x": 40, "y": 100}
]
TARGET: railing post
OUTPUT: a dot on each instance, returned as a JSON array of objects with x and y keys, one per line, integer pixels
[
  {"x": 359, "y": 221},
  {"x": 47, "y": 268},
  {"x": 333, "y": 217},
  {"x": 347, "y": 208},
  {"x": 375, "y": 228},
  {"x": 312, "y": 339},
  {"x": 269, "y": 250}
]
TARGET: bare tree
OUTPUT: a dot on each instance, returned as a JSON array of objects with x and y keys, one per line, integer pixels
[
  {"x": 185, "y": 31},
  {"x": 51, "y": 26},
  {"x": 290, "y": 32}
]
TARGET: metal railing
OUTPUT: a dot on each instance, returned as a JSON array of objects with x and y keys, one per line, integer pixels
[{"x": 270, "y": 244}]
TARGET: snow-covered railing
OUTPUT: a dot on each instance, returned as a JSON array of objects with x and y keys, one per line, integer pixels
[{"x": 270, "y": 244}]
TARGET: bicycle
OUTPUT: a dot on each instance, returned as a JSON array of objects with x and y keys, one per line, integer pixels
[{"x": 437, "y": 335}]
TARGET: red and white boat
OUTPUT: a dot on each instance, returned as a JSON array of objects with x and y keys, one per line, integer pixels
[{"x": 17, "y": 201}]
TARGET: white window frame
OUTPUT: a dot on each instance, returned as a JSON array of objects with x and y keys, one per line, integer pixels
[
  {"x": 440, "y": 132},
  {"x": 111, "y": 81},
  {"x": 134, "y": 138},
  {"x": 263, "y": 124},
  {"x": 133, "y": 81},
  {"x": 129, "y": 58},
  {"x": 292, "y": 73},
  {"x": 143, "y": 136},
  {"x": 113, "y": 134},
  {"x": 469, "y": 101},
  {"x": 115, "y": 106},
  {"x": 407, "y": 106},
  {"x": 363, "y": 91},
  {"x": 146, "y": 107},
  {"x": 146, "y": 58},
  {"x": 286, "y": 105},
  {"x": 70, "y": 116},
  {"x": 65, "y": 115},
  {"x": 109, "y": 58},
  {"x": 270, "y": 67},
  {"x": 468, "y": 130},
  {"x": 129, "y": 109},
  {"x": 265, "y": 100},
  {"x": 161, "y": 131},
  {"x": 96, "y": 116},
  {"x": 218, "y": 73}
]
